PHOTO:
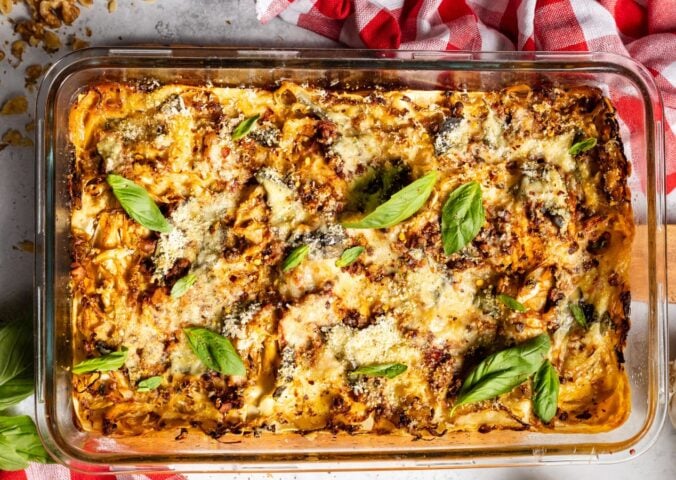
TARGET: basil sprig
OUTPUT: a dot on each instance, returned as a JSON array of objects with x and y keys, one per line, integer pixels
[
  {"x": 462, "y": 217},
  {"x": 182, "y": 285},
  {"x": 16, "y": 362},
  {"x": 214, "y": 351},
  {"x": 387, "y": 370},
  {"x": 511, "y": 303},
  {"x": 15, "y": 390},
  {"x": 104, "y": 363},
  {"x": 244, "y": 127},
  {"x": 400, "y": 206},
  {"x": 148, "y": 384},
  {"x": 20, "y": 443},
  {"x": 583, "y": 146},
  {"x": 349, "y": 256},
  {"x": 545, "y": 392},
  {"x": 19, "y": 440},
  {"x": 295, "y": 258},
  {"x": 502, "y": 371},
  {"x": 578, "y": 314},
  {"x": 138, "y": 204}
]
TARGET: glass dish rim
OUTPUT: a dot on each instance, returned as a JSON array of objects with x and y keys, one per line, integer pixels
[{"x": 393, "y": 59}]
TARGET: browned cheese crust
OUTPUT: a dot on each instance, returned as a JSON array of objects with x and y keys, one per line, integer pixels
[{"x": 558, "y": 229}]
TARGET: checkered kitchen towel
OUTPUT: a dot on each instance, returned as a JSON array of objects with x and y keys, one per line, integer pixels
[
  {"x": 38, "y": 471},
  {"x": 643, "y": 29}
]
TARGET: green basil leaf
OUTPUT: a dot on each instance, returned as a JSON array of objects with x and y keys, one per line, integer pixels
[
  {"x": 20, "y": 443},
  {"x": 138, "y": 204},
  {"x": 376, "y": 186},
  {"x": 295, "y": 258},
  {"x": 349, "y": 256},
  {"x": 400, "y": 206},
  {"x": 215, "y": 351},
  {"x": 578, "y": 314},
  {"x": 511, "y": 303},
  {"x": 104, "y": 363},
  {"x": 16, "y": 361},
  {"x": 502, "y": 371},
  {"x": 15, "y": 390},
  {"x": 388, "y": 370},
  {"x": 244, "y": 127},
  {"x": 148, "y": 384},
  {"x": 182, "y": 285},
  {"x": 462, "y": 217},
  {"x": 545, "y": 392},
  {"x": 583, "y": 146}
]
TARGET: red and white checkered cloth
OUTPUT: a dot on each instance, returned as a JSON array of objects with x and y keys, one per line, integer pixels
[
  {"x": 642, "y": 29},
  {"x": 38, "y": 471}
]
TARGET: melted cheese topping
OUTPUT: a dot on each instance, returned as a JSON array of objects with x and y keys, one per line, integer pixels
[{"x": 558, "y": 230}]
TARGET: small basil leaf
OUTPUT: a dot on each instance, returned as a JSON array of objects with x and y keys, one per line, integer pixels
[
  {"x": 148, "y": 384},
  {"x": 400, "y": 206},
  {"x": 295, "y": 258},
  {"x": 104, "y": 363},
  {"x": 388, "y": 370},
  {"x": 138, "y": 204},
  {"x": 15, "y": 390},
  {"x": 545, "y": 392},
  {"x": 215, "y": 351},
  {"x": 20, "y": 443},
  {"x": 462, "y": 217},
  {"x": 511, "y": 303},
  {"x": 349, "y": 256},
  {"x": 244, "y": 127},
  {"x": 583, "y": 146},
  {"x": 502, "y": 371},
  {"x": 578, "y": 314},
  {"x": 182, "y": 285}
]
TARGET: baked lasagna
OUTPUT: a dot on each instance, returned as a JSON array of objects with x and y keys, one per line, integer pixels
[{"x": 376, "y": 260}]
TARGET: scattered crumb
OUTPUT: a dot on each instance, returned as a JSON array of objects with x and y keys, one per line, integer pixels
[
  {"x": 30, "y": 126},
  {"x": 25, "y": 246},
  {"x": 77, "y": 43},
  {"x": 14, "y": 138},
  {"x": 45, "y": 17},
  {"x": 14, "y": 106},
  {"x": 17, "y": 49},
  {"x": 2, "y": 55},
  {"x": 54, "y": 13},
  {"x": 52, "y": 42},
  {"x": 112, "y": 5},
  {"x": 30, "y": 31},
  {"x": 33, "y": 73},
  {"x": 88, "y": 31},
  {"x": 6, "y": 6}
]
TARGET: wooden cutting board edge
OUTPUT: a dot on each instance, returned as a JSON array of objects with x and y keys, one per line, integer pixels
[{"x": 639, "y": 274}]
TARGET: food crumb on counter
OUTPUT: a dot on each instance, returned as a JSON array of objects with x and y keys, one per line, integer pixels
[
  {"x": 14, "y": 138},
  {"x": 14, "y": 105}
]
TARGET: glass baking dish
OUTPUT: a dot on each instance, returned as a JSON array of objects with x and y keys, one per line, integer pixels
[{"x": 646, "y": 356}]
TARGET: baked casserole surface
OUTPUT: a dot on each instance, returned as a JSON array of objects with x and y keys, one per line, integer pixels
[{"x": 555, "y": 240}]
